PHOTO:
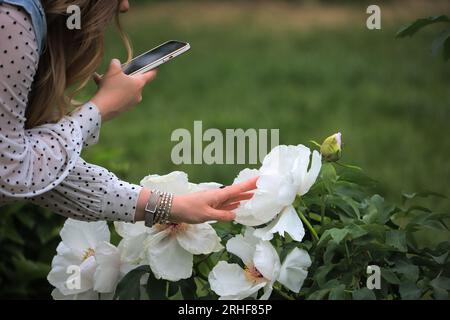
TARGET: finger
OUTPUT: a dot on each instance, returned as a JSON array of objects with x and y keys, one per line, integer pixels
[
  {"x": 245, "y": 186},
  {"x": 222, "y": 215},
  {"x": 240, "y": 197},
  {"x": 97, "y": 78},
  {"x": 149, "y": 76},
  {"x": 230, "y": 207}
]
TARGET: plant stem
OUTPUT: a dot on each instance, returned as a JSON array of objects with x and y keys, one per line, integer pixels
[
  {"x": 310, "y": 227},
  {"x": 281, "y": 293},
  {"x": 347, "y": 253},
  {"x": 322, "y": 211}
]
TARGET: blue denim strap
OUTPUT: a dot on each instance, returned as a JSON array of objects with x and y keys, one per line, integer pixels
[{"x": 36, "y": 11}]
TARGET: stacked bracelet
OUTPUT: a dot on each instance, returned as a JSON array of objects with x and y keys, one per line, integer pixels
[{"x": 158, "y": 208}]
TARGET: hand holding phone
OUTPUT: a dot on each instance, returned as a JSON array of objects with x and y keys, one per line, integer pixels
[{"x": 118, "y": 94}]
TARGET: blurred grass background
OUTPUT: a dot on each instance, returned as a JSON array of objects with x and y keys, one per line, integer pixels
[{"x": 309, "y": 68}]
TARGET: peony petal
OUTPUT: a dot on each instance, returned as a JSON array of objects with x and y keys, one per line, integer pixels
[
  {"x": 267, "y": 292},
  {"x": 230, "y": 282},
  {"x": 267, "y": 261},
  {"x": 106, "y": 275},
  {"x": 199, "y": 239},
  {"x": 295, "y": 269},
  {"x": 175, "y": 182},
  {"x": 245, "y": 175},
  {"x": 266, "y": 232},
  {"x": 283, "y": 159},
  {"x": 132, "y": 249},
  {"x": 128, "y": 230},
  {"x": 167, "y": 259},
  {"x": 79, "y": 236},
  {"x": 287, "y": 222},
  {"x": 243, "y": 246},
  {"x": 203, "y": 186},
  {"x": 311, "y": 176},
  {"x": 62, "y": 271}
]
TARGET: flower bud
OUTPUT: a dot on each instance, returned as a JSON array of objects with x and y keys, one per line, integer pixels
[{"x": 331, "y": 148}]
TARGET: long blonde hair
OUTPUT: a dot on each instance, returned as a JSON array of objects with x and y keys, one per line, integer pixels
[{"x": 70, "y": 57}]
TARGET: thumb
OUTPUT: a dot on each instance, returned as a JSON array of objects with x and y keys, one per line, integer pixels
[{"x": 114, "y": 67}]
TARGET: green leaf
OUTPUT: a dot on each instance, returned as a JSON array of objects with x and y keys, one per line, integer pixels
[
  {"x": 26, "y": 219},
  {"x": 347, "y": 207},
  {"x": 173, "y": 289},
  {"x": 397, "y": 239},
  {"x": 318, "y": 294},
  {"x": 424, "y": 194},
  {"x": 12, "y": 234},
  {"x": 441, "y": 259},
  {"x": 389, "y": 276},
  {"x": 129, "y": 288},
  {"x": 337, "y": 293},
  {"x": 338, "y": 234},
  {"x": 321, "y": 274},
  {"x": 363, "y": 294},
  {"x": 408, "y": 270},
  {"x": 30, "y": 270},
  {"x": 329, "y": 252},
  {"x": 188, "y": 288},
  {"x": 415, "y": 26},
  {"x": 377, "y": 210},
  {"x": 441, "y": 287},
  {"x": 156, "y": 288},
  {"x": 356, "y": 231},
  {"x": 439, "y": 41},
  {"x": 410, "y": 291},
  {"x": 446, "y": 50}
]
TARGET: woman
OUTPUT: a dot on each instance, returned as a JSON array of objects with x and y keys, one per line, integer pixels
[{"x": 40, "y": 141}]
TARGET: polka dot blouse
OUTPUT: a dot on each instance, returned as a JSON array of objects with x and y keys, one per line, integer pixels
[{"x": 43, "y": 165}]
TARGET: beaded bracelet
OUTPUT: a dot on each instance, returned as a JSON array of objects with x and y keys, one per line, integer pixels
[{"x": 158, "y": 208}]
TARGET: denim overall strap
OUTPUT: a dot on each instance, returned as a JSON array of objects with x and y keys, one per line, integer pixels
[{"x": 36, "y": 11}]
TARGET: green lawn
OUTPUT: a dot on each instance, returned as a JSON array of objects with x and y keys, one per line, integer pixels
[{"x": 389, "y": 98}]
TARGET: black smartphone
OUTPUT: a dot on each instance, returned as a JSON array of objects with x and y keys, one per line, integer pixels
[{"x": 155, "y": 57}]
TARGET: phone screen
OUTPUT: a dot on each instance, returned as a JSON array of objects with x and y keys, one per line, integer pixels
[{"x": 152, "y": 56}]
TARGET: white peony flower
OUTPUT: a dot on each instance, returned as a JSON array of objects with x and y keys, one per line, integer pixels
[
  {"x": 283, "y": 175},
  {"x": 85, "y": 246},
  {"x": 168, "y": 248},
  {"x": 286, "y": 222},
  {"x": 262, "y": 269}
]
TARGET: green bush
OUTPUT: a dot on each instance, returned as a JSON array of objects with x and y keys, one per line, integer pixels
[
  {"x": 348, "y": 229},
  {"x": 28, "y": 240}
]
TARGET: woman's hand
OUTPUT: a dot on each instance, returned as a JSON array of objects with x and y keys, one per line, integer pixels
[
  {"x": 199, "y": 207},
  {"x": 119, "y": 92},
  {"x": 217, "y": 204}
]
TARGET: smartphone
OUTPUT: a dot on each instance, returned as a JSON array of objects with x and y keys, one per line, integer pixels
[{"x": 155, "y": 57}]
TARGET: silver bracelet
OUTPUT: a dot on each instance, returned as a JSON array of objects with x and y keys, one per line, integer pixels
[
  {"x": 158, "y": 208},
  {"x": 151, "y": 207}
]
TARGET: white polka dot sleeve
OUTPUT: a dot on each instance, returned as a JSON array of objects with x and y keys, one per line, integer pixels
[{"x": 43, "y": 164}]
